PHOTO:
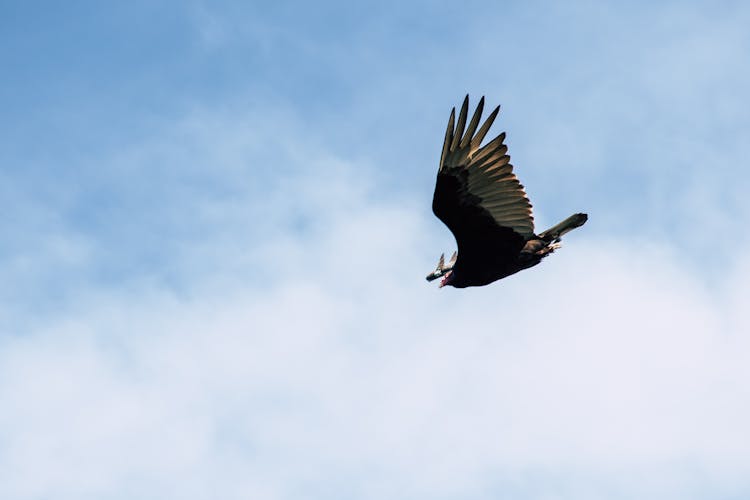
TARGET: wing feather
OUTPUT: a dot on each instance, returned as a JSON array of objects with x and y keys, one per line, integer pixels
[
  {"x": 448, "y": 136},
  {"x": 461, "y": 123},
  {"x": 473, "y": 124},
  {"x": 479, "y": 137},
  {"x": 478, "y": 182}
]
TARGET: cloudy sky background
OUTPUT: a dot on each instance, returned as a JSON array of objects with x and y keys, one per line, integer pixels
[{"x": 215, "y": 225}]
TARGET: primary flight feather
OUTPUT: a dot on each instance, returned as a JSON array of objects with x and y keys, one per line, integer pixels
[{"x": 480, "y": 199}]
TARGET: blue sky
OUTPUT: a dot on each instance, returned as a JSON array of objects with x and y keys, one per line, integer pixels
[{"x": 215, "y": 223}]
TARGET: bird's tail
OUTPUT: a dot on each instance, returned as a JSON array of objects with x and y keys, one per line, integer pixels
[{"x": 555, "y": 232}]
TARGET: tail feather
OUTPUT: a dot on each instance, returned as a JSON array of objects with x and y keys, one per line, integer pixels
[{"x": 555, "y": 232}]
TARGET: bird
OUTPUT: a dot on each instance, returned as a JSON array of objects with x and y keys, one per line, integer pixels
[{"x": 484, "y": 205}]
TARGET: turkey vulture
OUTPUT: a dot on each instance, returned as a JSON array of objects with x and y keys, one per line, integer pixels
[{"x": 479, "y": 198}]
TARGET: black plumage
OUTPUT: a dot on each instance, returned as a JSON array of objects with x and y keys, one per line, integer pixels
[{"x": 480, "y": 199}]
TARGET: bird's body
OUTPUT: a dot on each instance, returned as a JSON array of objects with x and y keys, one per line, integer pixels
[{"x": 480, "y": 199}]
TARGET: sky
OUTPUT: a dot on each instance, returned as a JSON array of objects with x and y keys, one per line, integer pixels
[{"x": 215, "y": 225}]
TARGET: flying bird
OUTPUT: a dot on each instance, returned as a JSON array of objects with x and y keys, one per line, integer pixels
[{"x": 480, "y": 199}]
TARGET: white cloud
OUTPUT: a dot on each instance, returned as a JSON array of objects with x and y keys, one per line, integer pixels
[
  {"x": 346, "y": 374},
  {"x": 283, "y": 343}
]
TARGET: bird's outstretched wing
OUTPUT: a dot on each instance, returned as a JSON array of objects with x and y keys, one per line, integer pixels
[{"x": 477, "y": 195}]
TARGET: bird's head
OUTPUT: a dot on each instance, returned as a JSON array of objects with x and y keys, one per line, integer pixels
[{"x": 447, "y": 279}]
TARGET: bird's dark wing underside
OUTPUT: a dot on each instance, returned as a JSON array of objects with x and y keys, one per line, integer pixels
[
  {"x": 479, "y": 237},
  {"x": 477, "y": 195}
]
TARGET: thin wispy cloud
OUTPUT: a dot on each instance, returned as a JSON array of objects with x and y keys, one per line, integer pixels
[{"x": 218, "y": 291}]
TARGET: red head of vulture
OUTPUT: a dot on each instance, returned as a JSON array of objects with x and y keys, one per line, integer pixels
[{"x": 479, "y": 198}]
